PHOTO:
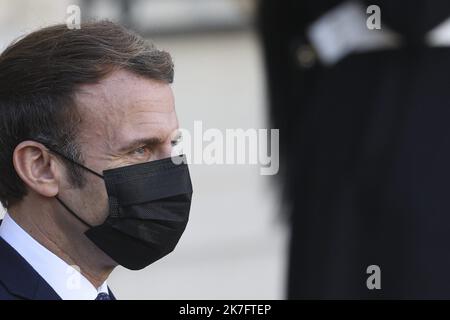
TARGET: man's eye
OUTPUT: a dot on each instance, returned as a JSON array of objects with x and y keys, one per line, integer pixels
[{"x": 141, "y": 151}]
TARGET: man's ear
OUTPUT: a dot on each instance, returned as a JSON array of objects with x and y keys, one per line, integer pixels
[{"x": 37, "y": 168}]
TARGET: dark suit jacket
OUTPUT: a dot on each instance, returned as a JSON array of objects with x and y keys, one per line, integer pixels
[{"x": 18, "y": 279}]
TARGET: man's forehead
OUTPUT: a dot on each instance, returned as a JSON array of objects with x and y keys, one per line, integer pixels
[
  {"x": 123, "y": 90},
  {"x": 124, "y": 105}
]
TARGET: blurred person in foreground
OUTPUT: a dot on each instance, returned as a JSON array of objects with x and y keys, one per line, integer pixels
[
  {"x": 365, "y": 145},
  {"x": 87, "y": 174}
]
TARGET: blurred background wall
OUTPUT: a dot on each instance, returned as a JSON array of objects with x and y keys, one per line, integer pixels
[{"x": 234, "y": 245}]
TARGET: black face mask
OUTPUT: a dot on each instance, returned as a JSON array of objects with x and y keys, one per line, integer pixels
[{"x": 149, "y": 207}]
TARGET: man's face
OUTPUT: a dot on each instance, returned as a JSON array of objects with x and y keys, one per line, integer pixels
[{"x": 126, "y": 119}]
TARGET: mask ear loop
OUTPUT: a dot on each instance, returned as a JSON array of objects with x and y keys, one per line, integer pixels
[
  {"x": 78, "y": 164},
  {"x": 74, "y": 162},
  {"x": 67, "y": 158},
  {"x": 72, "y": 212}
]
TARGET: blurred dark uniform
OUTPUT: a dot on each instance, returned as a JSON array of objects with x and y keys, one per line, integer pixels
[{"x": 365, "y": 153}]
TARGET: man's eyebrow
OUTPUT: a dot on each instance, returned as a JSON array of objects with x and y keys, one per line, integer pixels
[{"x": 154, "y": 141}]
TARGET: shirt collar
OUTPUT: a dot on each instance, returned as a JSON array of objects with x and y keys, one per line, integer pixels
[{"x": 66, "y": 280}]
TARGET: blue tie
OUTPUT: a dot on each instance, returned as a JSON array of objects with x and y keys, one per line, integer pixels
[{"x": 103, "y": 296}]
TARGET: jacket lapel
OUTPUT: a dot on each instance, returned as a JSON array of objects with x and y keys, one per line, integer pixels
[{"x": 19, "y": 277}]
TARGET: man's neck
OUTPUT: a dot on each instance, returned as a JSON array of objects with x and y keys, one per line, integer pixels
[{"x": 66, "y": 240}]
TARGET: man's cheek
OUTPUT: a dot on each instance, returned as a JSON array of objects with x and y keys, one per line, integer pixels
[{"x": 96, "y": 202}]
